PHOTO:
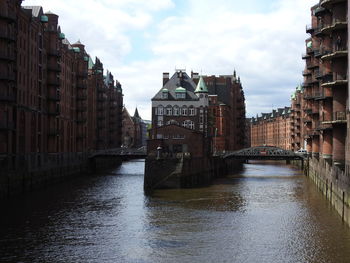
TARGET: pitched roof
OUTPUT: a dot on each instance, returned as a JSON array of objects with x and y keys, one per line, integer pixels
[
  {"x": 36, "y": 10},
  {"x": 136, "y": 114},
  {"x": 201, "y": 86},
  {"x": 175, "y": 82}
]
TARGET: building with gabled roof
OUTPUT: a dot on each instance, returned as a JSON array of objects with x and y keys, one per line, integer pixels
[{"x": 182, "y": 103}]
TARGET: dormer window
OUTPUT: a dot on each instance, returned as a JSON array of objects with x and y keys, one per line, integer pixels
[
  {"x": 180, "y": 93},
  {"x": 165, "y": 93}
]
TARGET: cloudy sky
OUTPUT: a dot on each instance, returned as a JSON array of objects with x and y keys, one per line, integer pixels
[{"x": 138, "y": 40}]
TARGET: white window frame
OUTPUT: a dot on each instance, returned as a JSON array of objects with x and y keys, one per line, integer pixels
[
  {"x": 176, "y": 111},
  {"x": 160, "y": 110},
  {"x": 184, "y": 111},
  {"x": 169, "y": 111}
]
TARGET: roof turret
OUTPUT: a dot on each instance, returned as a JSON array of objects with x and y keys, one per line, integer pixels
[{"x": 201, "y": 86}]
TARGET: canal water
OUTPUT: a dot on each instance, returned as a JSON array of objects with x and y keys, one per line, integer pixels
[{"x": 269, "y": 212}]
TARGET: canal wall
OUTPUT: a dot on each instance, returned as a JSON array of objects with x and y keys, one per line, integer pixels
[
  {"x": 185, "y": 172},
  {"x": 332, "y": 183},
  {"x": 26, "y": 174}
]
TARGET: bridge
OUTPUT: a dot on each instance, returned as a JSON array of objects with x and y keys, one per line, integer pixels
[
  {"x": 124, "y": 153},
  {"x": 263, "y": 153}
]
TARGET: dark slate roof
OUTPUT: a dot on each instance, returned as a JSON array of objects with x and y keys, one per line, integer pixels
[
  {"x": 174, "y": 82},
  {"x": 36, "y": 10},
  {"x": 136, "y": 114}
]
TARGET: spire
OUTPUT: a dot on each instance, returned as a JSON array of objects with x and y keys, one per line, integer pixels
[
  {"x": 136, "y": 114},
  {"x": 201, "y": 87}
]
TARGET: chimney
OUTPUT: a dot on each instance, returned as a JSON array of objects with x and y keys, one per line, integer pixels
[{"x": 165, "y": 78}]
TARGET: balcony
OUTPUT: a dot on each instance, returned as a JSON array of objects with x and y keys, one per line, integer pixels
[
  {"x": 6, "y": 125},
  {"x": 339, "y": 52},
  {"x": 328, "y": 3},
  {"x": 306, "y": 72},
  {"x": 309, "y": 29},
  {"x": 320, "y": 126},
  {"x": 320, "y": 11},
  {"x": 308, "y": 96},
  {"x": 7, "y": 36},
  {"x": 339, "y": 117},
  {"x": 10, "y": 16},
  {"x": 305, "y": 56},
  {"x": 336, "y": 80},
  {"x": 337, "y": 24}
]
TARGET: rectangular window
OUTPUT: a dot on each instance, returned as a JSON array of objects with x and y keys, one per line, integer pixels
[
  {"x": 160, "y": 111},
  {"x": 169, "y": 111},
  {"x": 160, "y": 123},
  {"x": 184, "y": 112},
  {"x": 164, "y": 95},
  {"x": 176, "y": 111},
  {"x": 192, "y": 112}
]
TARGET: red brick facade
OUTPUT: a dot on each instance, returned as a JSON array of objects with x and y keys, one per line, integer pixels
[
  {"x": 272, "y": 129},
  {"x": 326, "y": 81},
  {"x": 46, "y": 115}
]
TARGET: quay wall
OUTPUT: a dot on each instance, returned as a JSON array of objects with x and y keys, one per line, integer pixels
[
  {"x": 25, "y": 173},
  {"x": 185, "y": 172},
  {"x": 332, "y": 182}
]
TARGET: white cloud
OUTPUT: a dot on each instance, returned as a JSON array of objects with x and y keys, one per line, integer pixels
[{"x": 214, "y": 36}]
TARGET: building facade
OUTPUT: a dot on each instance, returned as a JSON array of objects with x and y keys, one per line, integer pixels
[
  {"x": 213, "y": 107},
  {"x": 326, "y": 81},
  {"x": 272, "y": 129},
  {"x": 180, "y": 103},
  {"x": 47, "y": 119}
]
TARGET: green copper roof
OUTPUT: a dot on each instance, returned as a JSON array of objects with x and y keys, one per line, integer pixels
[
  {"x": 309, "y": 44},
  {"x": 299, "y": 88},
  {"x": 76, "y": 49},
  {"x": 91, "y": 63},
  {"x": 44, "y": 19},
  {"x": 165, "y": 90},
  {"x": 201, "y": 87},
  {"x": 61, "y": 36},
  {"x": 180, "y": 89}
]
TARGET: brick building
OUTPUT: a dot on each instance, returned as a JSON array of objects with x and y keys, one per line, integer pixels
[
  {"x": 272, "y": 129},
  {"x": 326, "y": 81},
  {"x": 134, "y": 132},
  {"x": 181, "y": 104},
  {"x": 226, "y": 111},
  {"x": 47, "y": 119},
  {"x": 212, "y": 106}
]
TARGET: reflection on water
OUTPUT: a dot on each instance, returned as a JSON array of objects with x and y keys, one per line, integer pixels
[{"x": 267, "y": 213}]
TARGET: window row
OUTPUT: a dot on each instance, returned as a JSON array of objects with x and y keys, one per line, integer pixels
[
  {"x": 175, "y": 111},
  {"x": 187, "y": 123}
]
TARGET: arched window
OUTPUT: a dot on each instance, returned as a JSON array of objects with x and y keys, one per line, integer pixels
[
  {"x": 176, "y": 111},
  {"x": 184, "y": 111},
  {"x": 191, "y": 111},
  {"x": 169, "y": 111},
  {"x": 160, "y": 110}
]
